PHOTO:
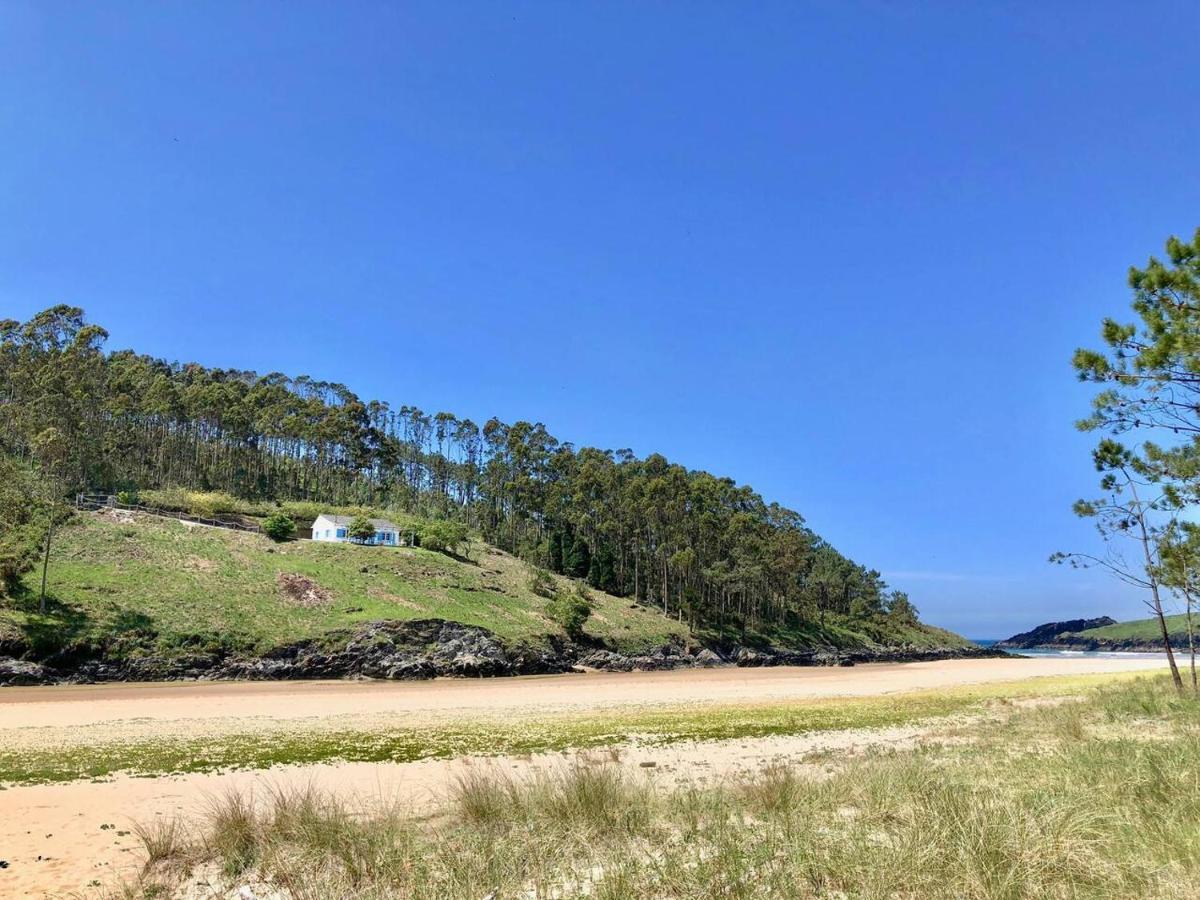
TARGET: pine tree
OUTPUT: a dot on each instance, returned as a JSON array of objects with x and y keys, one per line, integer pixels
[
  {"x": 556, "y": 552},
  {"x": 578, "y": 559}
]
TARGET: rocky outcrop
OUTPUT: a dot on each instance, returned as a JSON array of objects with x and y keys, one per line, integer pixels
[
  {"x": 425, "y": 648},
  {"x": 1054, "y": 632},
  {"x": 18, "y": 672},
  {"x": 669, "y": 656},
  {"x": 748, "y": 658},
  {"x": 432, "y": 648}
]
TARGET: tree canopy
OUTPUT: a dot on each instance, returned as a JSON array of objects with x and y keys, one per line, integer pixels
[
  {"x": 1149, "y": 378},
  {"x": 698, "y": 546}
]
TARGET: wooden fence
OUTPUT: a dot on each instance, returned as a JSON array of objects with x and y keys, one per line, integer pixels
[{"x": 107, "y": 501}]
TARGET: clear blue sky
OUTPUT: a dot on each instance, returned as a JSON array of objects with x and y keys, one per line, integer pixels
[{"x": 841, "y": 251}]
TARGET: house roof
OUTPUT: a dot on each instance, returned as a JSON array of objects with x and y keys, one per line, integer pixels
[{"x": 380, "y": 524}]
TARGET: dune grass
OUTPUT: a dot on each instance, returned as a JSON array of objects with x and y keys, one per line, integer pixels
[{"x": 1097, "y": 798}]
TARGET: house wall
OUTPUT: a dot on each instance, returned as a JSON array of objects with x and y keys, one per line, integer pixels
[{"x": 325, "y": 530}]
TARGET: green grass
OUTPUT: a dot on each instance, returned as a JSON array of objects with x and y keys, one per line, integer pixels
[
  {"x": 1094, "y": 799},
  {"x": 1141, "y": 630},
  {"x": 296, "y": 744},
  {"x": 162, "y": 586},
  {"x": 157, "y": 586}
]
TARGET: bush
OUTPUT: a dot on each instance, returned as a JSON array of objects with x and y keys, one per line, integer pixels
[
  {"x": 166, "y": 498},
  {"x": 128, "y": 498},
  {"x": 206, "y": 504},
  {"x": 23, "y": 519},
  {"x": 571, "y": 610},
  {"x": 361, "y": 530},
  {"x": 543, "y": 584},
  {"x": 444, "y": 537},
  {"x": 303, "y": 510},
  {"x": 279, "y": 527}
]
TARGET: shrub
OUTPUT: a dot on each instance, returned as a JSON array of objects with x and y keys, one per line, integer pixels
[
  {"x": 128, "y": 498},
  {"x": 445, "y": 537},
  {"x": 166, "y": 498},
  {"x": 571, "y": 610},
  {"x": 279, "y": 527},
  {"x": 23, "y": 519},
  {"x": 302, "y": 510},
  {"x": 543, "y": 584},
  {"x": 199, "y": 503},
  {"x": 360, "y": 529}
]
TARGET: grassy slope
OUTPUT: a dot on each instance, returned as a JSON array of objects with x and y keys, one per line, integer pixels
[
  {"x": 150, "y": 583},
  {"x": 1138, "y": 630},
  {"x": 161, "y": 575}
]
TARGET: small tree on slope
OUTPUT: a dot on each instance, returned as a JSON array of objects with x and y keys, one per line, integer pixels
[{"x": 361, "y": 530}]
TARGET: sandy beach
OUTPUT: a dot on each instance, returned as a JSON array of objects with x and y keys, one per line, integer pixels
[
  {"x": 172, "y": 704},
  {"x": 60, "y": 838}
]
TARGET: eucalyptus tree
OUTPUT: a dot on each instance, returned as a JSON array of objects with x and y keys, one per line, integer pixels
[{"x": 691, "y": 543}]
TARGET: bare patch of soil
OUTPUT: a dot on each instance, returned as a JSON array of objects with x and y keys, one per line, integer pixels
[
  {"x": 299, "y": 590},
  {"x": 116, "y": 515},
  {"x": 199, "y": 564}
]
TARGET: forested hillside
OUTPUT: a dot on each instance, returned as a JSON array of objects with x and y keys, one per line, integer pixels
[{"x": 701, "y": 548}]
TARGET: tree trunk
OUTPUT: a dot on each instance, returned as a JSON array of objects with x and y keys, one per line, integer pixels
[
  {"x": 1176, "y": 679},
  {"x": 1191, "y": 636},
  {"x": 45, "y": 567}
]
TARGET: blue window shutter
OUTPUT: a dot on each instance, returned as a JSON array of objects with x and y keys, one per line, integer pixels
[{"x": 341, "y": 532}]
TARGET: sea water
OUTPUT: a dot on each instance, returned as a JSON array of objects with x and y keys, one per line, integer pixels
[{"x": 1082, "y": 654}]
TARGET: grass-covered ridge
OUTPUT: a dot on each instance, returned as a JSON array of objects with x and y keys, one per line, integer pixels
[
  {"x": 1079, "y": 799},
  {"x": 162, "y": 585},
  {"x": 125, "y": 585},
  {"x": 1146, "y": 630},
  {"x": 1145, "y": 633}
]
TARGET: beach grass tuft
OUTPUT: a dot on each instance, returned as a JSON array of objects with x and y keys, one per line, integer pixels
[{"x": 1076, "y": 799}]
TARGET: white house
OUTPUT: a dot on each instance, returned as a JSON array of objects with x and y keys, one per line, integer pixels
[{"x": 337, "y": 528}]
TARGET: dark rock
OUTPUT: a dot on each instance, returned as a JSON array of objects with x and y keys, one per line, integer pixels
[
  {"x": 606, "y": 661},
  {"x": 747, "y": 658},
  {"x": 1055, "y": 633},
  {"x": 431, "y": 648},
  {"x": 18, "y": 672},
  {"x": 706, "y": 658}
]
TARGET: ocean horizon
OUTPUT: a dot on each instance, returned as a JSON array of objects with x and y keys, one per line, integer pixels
[{"x": 1069, "y": 654}]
